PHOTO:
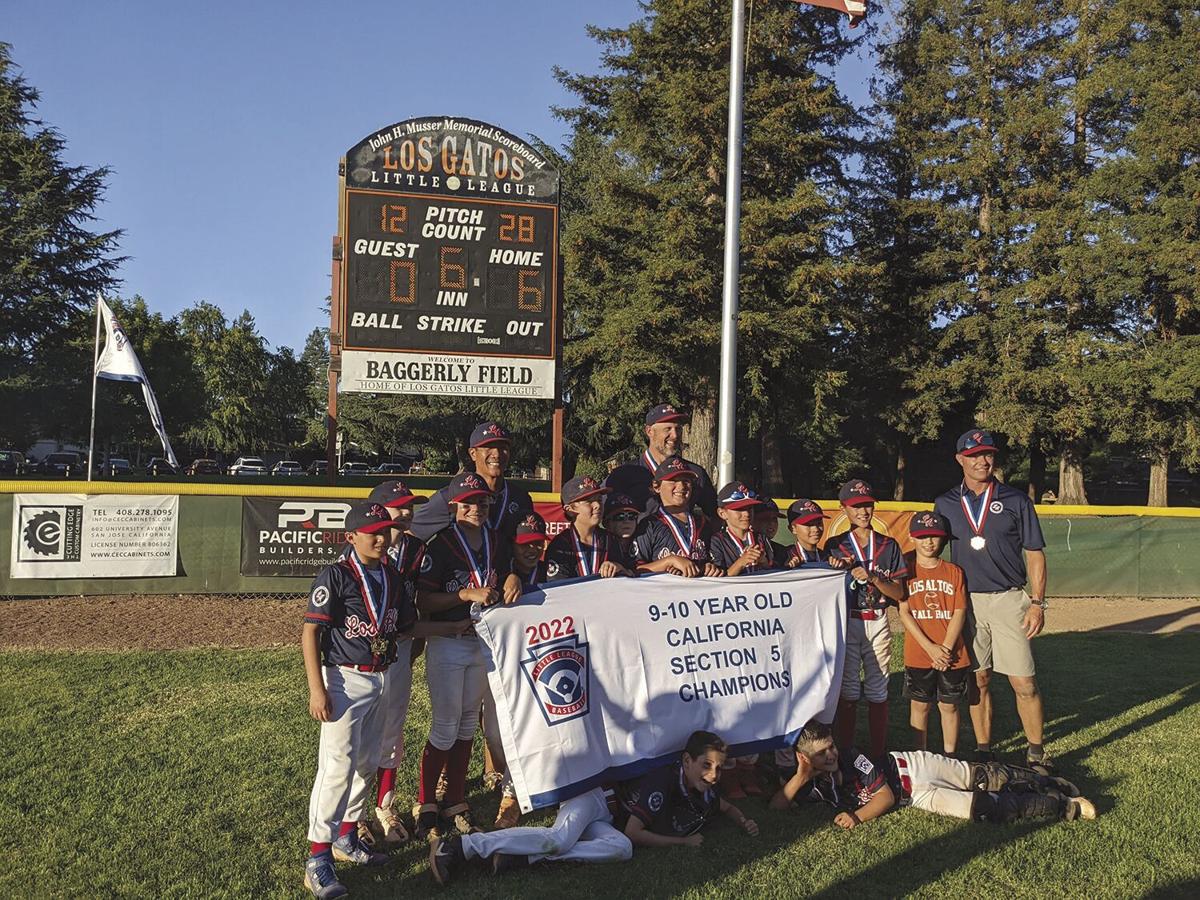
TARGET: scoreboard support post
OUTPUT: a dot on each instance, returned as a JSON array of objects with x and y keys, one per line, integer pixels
[{"x": 335, "y": 363}]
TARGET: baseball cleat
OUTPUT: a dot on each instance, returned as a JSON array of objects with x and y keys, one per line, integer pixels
[
  {"x": 1080, "y": 808},
  {"x": 509, "y": 813},
  {"x": 492, "y": 781},
  {"x": 460, "y": 818},
  {"x": 320, "y": 878},
  {"x": 426, "y": 817},
  {"x": 348, "y": 848},
  {"x": 365, "y": 835},
  {"x": 507, "y": 862},
  {"x": 391, "y": 829},
  {"x": 440, "y": 791},
  {"x": 1043, "y": 764},
  {"x": 445, "y": 855}
]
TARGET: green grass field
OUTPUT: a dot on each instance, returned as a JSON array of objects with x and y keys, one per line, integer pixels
[{"x": 186, "y": 774}]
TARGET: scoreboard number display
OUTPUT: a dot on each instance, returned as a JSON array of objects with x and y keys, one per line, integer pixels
[{"x": 450, "y": 272}]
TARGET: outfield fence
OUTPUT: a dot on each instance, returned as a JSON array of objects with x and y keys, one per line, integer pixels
[{"x": 1114, "y": 551}]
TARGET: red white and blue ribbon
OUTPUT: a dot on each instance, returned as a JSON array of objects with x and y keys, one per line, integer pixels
[
  {"x": 677, "y": 532},
  {"x": 868, "y": 558},
  {"x": 648, "y": 462},
  {"x": 977, "y": 519},
  {"x": 479, "y": 572},
  {"x": 399, "y": 553},
  {"x": 496, "y": 515},
  {"x": 588, "y": 561},
  {"x": 376, "y": 608}
]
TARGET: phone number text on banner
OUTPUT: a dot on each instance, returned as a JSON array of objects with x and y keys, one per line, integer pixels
[{"x": 602, "y": 679}]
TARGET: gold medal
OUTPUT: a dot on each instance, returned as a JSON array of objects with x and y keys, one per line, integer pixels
[
  {"x": 379, "y": 646},
  {"x": 978, "y": 542}
]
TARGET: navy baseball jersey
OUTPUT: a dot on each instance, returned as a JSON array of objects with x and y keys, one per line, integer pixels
[
  {"x": 533, "y": 578},
  {"x": 665, "y": 804},
  {"x": 881, "y": 556},
  {"x": 338, "y": 601},
  {"x": 817, "y": 555},
  {"x": 725, "y": 549},
  {"x": 509, "y": 506},
  {"x": 636, "y": 478},
  {"x": 1009, "y": 525},
  {"x": 406, "y": 556},
  {"x": 447, "y": 568},
  {"x": 657, "y": 539},
  {"x": 568, "y": 557},
  {"x": 857, "y": 780}
]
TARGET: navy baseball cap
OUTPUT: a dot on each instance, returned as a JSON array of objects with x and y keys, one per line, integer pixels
[
  {"x": 975, "y": 441},
  {"x": 467, "y": 486},
  {"x": 620, "y": 503},
  {"x": 530, "y": 529},
  {"x": 856, "y": 492},
  {"x": 736, "y": 495},
  {"x": 929, "y": 524},
  {"x": 665, "y": 412},
  {"x": 368, "y": 518},
  {"x": 671, "y": 468},
  {"x": 489, "y": 433},
  {"x": 581, "y": 487},
  {"x": 805, "y": 512},
  {"x": 395, "y": 493}
]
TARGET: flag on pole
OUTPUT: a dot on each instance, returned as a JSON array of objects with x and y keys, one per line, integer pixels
[
  {"x": 119, "y": 362},
  {"x": 855, "y": 9}
]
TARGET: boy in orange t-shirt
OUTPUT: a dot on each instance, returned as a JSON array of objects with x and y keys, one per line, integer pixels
[{"x": 934, "y": 612}]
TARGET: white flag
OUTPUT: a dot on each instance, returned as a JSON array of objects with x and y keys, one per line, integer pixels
[{"x": 119, "y": 362}]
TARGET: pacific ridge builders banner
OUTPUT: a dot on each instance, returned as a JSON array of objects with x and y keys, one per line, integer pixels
[
  {"x": 98, "y": 536},
  {"x": 600, "y": 680}
]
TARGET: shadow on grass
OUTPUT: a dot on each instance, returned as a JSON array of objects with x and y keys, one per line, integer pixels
[{"x": 1154, "y": 623}]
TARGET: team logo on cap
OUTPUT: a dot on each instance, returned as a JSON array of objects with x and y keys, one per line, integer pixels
[
  {"x": 377, "y": 510},
  {"x": 557, "y": 671},
  {"x": 926, "y": 520},
  {"x": 859, "y": 487},
  {"x": 472, "y": 481},
  {"x": 589, "y": 483},
  {"x": 977, "y": 437},
  {"x": 674, "y": 465},
  {"x": 809, "y": 507},
  {"x": 494, "y": 430},
  {"x": 530, "y": 521}
]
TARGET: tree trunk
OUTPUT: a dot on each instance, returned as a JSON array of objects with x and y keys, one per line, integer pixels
[
  {"x": 702, "y": 434},
  {"x": 1070, "y": 476},
  {"x": 1037, "y": 471},
  {"x": 1158, "y": 478},
  {"x": 901, "y": 466},
  {"x": 772, "y": 463}
]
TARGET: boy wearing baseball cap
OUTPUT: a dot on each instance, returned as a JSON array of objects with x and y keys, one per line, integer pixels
[
  {"x": 934, "y": 613},
  {"x": 806, "y": 521},
  {"x": 877, "y": 571},
  {"x": 529, "y": 543},
  {"x": 738, "y": 548},
  {"x": 672, "y": 538},
  {"x": 621, "y": 517},
  {"x": 766, "y": 524},
  {"x": 585, "y": 549}
]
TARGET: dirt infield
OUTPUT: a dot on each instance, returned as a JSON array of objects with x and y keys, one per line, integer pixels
[{"x": 153, "y": 622}]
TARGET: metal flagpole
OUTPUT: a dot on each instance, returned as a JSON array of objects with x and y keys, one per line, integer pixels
[
  {"x": 733, "y": 212},
  {"x": 95, "y": 363}
]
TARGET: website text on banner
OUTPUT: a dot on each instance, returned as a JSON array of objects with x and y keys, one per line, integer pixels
[{"x": 601, "y": 680}]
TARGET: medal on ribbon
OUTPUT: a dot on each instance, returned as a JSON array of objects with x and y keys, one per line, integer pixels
[
  {"x": 742, "y": 548},
  {"x": 648, "y": 462},
  {"x": 588, "y": 562},
  {"x": 480, "y": 572},
  {"x": 977, "y": 518},
  {"x": 376, "y": 608},
  {"x": 685, "y": 547}
]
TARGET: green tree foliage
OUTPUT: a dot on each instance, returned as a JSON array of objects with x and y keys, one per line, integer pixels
[{"x": 51, "y": 261}]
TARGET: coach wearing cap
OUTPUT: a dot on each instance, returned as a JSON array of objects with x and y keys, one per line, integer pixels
[
  {"x": 1000, "y": 549},
  {"x": 491, "y": 448},
  {"x": 664, "y": 435}
]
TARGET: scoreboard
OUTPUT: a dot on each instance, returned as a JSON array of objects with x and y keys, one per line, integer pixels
[{"x": 450, "y": 269}]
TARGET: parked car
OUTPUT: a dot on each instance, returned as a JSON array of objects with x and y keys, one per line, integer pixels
[
  {"x": 114, "y": 467},
  {"x": 12, "y": 462},
  {"x": 248, "y": 465},
  {"x": 287, "y": 467},
  {"x": 203, "y": 467},
  {"x": 64, "y": 464},
  {"x": 159, "y": 466},
  {"x": 354, "y": 468},
  {"x": 390, "y": 469},
  {"x": 417, "y": 468},
  {"x": 318, "y": 467}
]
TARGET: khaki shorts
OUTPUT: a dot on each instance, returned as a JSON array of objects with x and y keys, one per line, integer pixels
[{"x": 997, "y": 625}]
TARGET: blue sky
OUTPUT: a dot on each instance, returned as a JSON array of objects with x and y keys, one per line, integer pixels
[{"x": 223, "y": 122}]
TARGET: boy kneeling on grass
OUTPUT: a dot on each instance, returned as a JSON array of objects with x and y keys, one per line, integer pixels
[
  {"x": 862, "y": 790},
  {"x": 666, "y": 807}
]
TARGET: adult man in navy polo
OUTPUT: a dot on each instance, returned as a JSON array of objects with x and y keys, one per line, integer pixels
[
  {"x": 490, "y": 451},
  {"x": 1000, "y": 549},
  {"x": 664, "y": 435}
]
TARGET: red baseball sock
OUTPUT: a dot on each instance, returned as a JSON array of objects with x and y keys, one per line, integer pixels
[
  {"x": 456, "y": 772},
  {"x": 432, "y": 760},
  {"x": 877, "y": 717},
  {"x": 387, "y": 784},
  {"x": 316, "y": 848},
  {"x": 843, "y": 723},
  {"x": 347, "y": 828}
]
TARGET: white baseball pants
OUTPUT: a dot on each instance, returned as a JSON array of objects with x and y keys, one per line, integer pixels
[
  {"x": 457, "y": 677},
  {"x": 348, "y": 750},
  {"x": 582, "y": 831},
  {"x": 938, "y": 784},
  {"x": 869, "y": 648}
]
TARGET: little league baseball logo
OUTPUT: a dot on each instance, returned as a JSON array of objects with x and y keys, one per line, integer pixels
[
  {"x": 557, "y": 672},
  {"x": 996, "y": 506}
]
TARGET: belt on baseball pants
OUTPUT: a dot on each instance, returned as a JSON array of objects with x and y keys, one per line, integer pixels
[
  {"x": 866, "y": 614},
  {"x": 382, "y": 668}
]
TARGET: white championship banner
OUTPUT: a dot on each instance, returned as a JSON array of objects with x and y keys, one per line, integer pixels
[
  {"x": 98, "y": 536},
  {"x": 600, "y": 680}
]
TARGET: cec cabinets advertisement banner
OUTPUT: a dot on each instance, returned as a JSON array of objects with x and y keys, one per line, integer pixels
[
  {"x": 600, "y": 680},
  {"x": 291, "y": 536},
  {"x": 101, "y": 536}
]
